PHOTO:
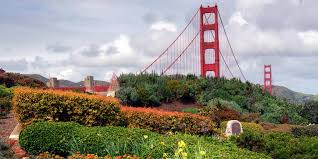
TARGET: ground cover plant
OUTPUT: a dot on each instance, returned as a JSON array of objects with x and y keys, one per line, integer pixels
[
  {"x": 243, "y": 97},
  {"x": 67, "y": 138}
]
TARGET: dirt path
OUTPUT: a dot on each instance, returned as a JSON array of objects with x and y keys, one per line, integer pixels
[{"x": 7, "y": 124}]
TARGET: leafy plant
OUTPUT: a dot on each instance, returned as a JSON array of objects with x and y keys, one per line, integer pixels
[
  {"x": 163, "y": 121},
  {"x": 35, "y": 104},
  {"x": 310, "y": 130}
]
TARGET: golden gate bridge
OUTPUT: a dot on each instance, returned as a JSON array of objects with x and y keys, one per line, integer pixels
[{"x": 196, "y": 50}]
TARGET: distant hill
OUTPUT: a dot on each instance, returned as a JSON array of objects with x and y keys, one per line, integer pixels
[
  {"x": 16, "y": 79},
  {"x": 292, "y": 96},
  {"x": 64, "y": 83}
]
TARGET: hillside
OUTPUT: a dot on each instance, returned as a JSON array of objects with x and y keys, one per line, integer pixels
[
  {"x": 151, "y": 90},
  {"x": 64, "y": 83},
  {"x": 292, "y": 96},
  {"x": 15, "y": 79}
]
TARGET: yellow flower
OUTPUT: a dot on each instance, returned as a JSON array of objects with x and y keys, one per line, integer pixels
[
  {"x": 165, "y": 155},
  {"x": 202, "y": 153},
  {"x": 181, "y": 144},
  {"x": 162, "y": 143},
  {"x": 145, "y": 136},
  {"x": 184, "y": 155}
]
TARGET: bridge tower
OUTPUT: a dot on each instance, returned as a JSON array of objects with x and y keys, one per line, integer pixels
[
  {"x": 268, "y": 79},
  {"x": 209, "y": 43}
]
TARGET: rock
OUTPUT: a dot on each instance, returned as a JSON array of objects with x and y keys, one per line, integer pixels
[{"x": 233, "y": 127}]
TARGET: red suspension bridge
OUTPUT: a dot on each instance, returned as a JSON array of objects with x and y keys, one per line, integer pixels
[{"x": 197, "y": 49}]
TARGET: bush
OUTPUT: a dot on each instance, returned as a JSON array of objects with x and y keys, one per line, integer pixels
[
  {"x": 253, "y": 141},
  {"x": 48, "y": 136},
  {"x": 34, "y": 104},
  {"x": 5, "y": 105},
  {"x": 116, "y": 141},
  {"x": 311, "y": 130},
  {"x": 5, "y": 100},
  {"x": 279, "y": 145},
  {"x": 163, "y": 121}
]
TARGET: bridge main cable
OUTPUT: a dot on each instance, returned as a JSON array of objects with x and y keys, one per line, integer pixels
[
  {"x": 227, "y": 38},
  {"x": 165, "y": 51}
]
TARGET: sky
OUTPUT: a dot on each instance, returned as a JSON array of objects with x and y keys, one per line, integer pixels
[{"x": 70, "y": 39}]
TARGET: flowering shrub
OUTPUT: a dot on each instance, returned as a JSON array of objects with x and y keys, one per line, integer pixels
[
  {"x": 35, "y": 104},
  {"x": 163, "y": 121}
]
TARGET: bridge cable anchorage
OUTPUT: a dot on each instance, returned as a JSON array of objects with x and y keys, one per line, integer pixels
[
  {"x": 227, "y": 38},
  {"x": 184, "y": 50},
  {"x": 166, "y": 50},
  {"x": 227, "y": 66}
]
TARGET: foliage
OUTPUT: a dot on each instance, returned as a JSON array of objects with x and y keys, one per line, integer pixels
[
  {"x": 47, "y": 155},
  {"x": 5, "y": 100},
  {"x": 310, "y": 130},
  {"x": 251, "y": 140},
  {"x": 279, "y": 145},
  {"x": 310, "y": 111},
  {"x": 34, "y": 104},
  {"x": 152, "y": 90},
  {"x": 115, "y": 141},
  {"x": 16, "y": 79},
  {"x": 191, "y": 110},
  {"x": 163, "y": 121},
  {"x": 45, "y": 136},
  {"x": 250, "y": 117},
  {"x": 5, "y": 150}
]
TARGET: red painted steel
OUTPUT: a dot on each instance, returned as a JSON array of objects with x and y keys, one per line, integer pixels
[
  {"x": 214, "y": 67},
  {"x": 268, "y": 79}
]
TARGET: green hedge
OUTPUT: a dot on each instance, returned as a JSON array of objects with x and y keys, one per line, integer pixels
[
  {"x": 66, "y": 138},
  {"x": 36, "y": 104}
]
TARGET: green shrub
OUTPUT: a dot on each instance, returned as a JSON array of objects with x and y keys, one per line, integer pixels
[
  {"x": 35, "y": 104},
  {"x": 311, "y": 130},
  {"x": 279, "y": 145},
  {"x": 191, "y": 110},
  {"x": 114, "y": 141},
  {"x": 48, "y": 136},
  {"x": 5, "y": 100},
  {"x": 5, "y": 105},
  {"x": 253, "y": 141}
]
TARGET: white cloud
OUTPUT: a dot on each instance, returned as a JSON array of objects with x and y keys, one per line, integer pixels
[
  {"x": 65, "y": 74},
  {"x": 162, "y": 25},
  {"x": 309, "y": 39},
  {"x": 237, "y": 18}
]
